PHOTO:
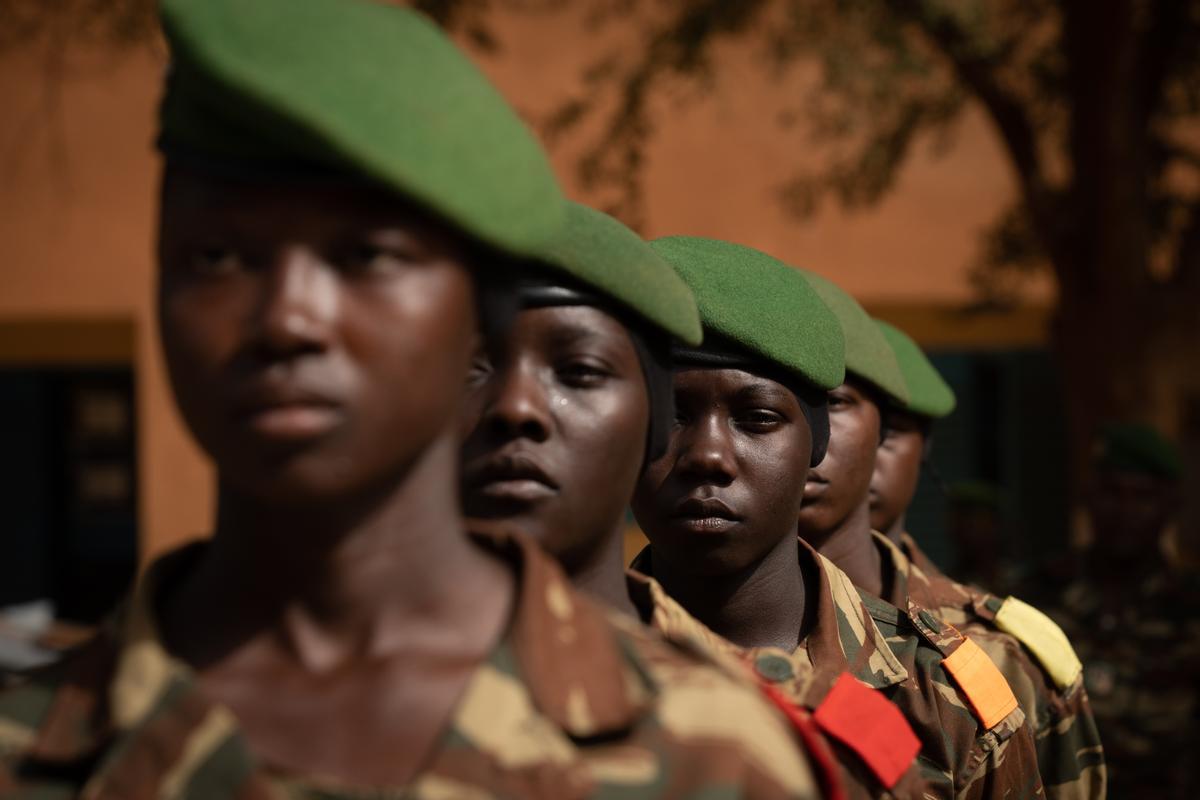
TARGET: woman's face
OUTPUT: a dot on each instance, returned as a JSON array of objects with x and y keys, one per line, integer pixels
[
  {"x": 558, "y": 424},
  {"x": 729, "y": 488},
  {"x": 839, "y": 484}
]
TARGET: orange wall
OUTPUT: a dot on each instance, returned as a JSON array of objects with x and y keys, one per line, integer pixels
[{"x": 77, "y": 177}]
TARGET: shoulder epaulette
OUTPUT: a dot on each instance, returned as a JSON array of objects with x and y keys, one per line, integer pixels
[
  {"x": 979, "y": 678},
  {"x": 863, "y": 720},
  {"x": 987, "y": 692},
  {"x": 1044, "y": 639}
]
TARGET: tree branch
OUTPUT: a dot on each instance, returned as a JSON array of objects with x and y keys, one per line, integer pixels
[{"x": 978, "y": 72}]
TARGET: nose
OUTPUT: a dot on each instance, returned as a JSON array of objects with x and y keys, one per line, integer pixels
[
  {"x": 298, "y": 306},
  {"x": 518, "y": 406},
  {"x": 706, "y": 451}
]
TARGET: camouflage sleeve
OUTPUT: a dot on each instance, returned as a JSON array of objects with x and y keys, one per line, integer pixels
[
  {"x": 959, "y": 758},
  {"x": 975, "y": 740},
  {"x": 1069, "y": 754}
]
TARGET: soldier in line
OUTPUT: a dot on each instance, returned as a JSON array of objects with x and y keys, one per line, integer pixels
[
  {"x": 1134, "y": 620},
  {"x": 584, "y": 369},
  {"x": 328, "y": 241},
  {"x": 578, "y": 373},
  {"x": 1032, "y": 654},
  {"x": 720, "y": 511},
  {"x": 569, "y": 404},
  {"x": 985, "y": 729}
]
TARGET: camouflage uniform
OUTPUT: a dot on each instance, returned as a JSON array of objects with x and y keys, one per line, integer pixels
[
  {"x": 574, "y": 702},
  {"x": 858, "y": 634},
  {"x": 1141, "y": 650},
  {"x": 1070, "y": 757}
]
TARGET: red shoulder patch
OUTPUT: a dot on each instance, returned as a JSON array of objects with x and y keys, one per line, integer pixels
[{"x": 860, "y": 718}]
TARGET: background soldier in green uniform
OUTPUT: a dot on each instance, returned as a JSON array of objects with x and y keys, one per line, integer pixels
[
  {"x": 1135, "y": 621},
  {"x": 984, "y": 737},
  {"x": 1031, "y": 653},
  {"x": 332, "y": 223}
]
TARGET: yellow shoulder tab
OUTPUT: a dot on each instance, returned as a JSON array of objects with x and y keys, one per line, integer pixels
[
  {"x": 978, "y": 677},
  {"x": 1044, "y": 639}
]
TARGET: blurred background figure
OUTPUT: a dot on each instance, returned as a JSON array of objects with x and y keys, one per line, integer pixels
[
  {"x": 975, "y": 523},
  {"x": 1134, "y": 619}
]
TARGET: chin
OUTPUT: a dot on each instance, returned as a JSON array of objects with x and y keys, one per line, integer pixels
[{"x": 713, "y": 557}]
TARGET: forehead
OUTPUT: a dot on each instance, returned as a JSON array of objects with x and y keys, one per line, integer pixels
[
  {"x": 565, "y": 325},
  {"x": 727, "y": 384},
  {"x": 195, "y": 198}
]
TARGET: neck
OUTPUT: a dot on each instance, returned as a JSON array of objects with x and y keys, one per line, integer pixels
[
  {"x": 849, "y": 545},
  {"x": 347, "y": 578},
  {"x": 762, "y": 605},
  {"x": 897, "y": 528},
  {"x": 603, "y": 575}
]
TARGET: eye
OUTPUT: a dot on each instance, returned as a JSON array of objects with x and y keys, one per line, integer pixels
[
  {"x": 215, "y": 262},
  {"x": 367, "y": 259},
  {"x": 839, "y": 400},
  {"x": 760, "y": 420},
  {"x": 583, "y": 373},
  {"x": 479, "y": 372}
]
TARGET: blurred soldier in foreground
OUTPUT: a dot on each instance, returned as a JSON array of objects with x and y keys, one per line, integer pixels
[
  {"x": 1029, "y": 650},
  {"x": 1135, "y": 622},
  {"x": 342, "y": 195}
]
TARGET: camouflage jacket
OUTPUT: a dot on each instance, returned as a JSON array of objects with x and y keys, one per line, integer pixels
[
  {"x": 1141, "y": 652},
  {"x": 574, "y": 702},
  {"x": 1069, "y": 754},
  {"x": 858, "y": 634}
]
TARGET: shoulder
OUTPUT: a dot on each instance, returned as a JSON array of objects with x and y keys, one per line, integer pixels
[
  {"x": 1043, "y": 638},
  {"x": 51, "y": 713},
  {"x": 957, "y": 688},
  {"x": 707, "y": 702}
]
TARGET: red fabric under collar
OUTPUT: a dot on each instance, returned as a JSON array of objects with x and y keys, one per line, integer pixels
[
  {"x": 860, "y": 718},
  {"x": 814, "y": 743}
]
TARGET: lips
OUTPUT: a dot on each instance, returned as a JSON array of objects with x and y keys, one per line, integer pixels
[
  {"x": 287, "y": 411},
  {"x": 705, "y": 515},
  {"x": 510, "y": 478},
  {"x": 815, "y": 486}
]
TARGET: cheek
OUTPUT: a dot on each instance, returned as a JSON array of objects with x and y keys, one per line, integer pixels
[
  {"x": 417, "y": 338},
  {"x": 779, "y": 470},
  {"x": 610, "y": 426},
  {"x": 200, "y": 331}
]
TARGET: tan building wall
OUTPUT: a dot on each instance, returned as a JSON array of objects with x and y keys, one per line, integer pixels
[{"x": 77, "y": 181}]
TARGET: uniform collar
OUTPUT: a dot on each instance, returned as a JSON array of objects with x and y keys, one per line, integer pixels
[
  {"x": 896, "y": 564},
  {"x": 843, "y": 637},
  {"x": 570, "y": 655}
]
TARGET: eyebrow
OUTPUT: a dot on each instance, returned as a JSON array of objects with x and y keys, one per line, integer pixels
[
  {"x": 762, "y": 388},
  {"x": 566, "y": 334}
]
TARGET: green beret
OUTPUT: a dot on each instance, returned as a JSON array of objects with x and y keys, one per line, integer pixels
[
  {"x": 868, "y": 355},
  {"x": 1132, "y": 447},
  {"x": 928, "y": 394},
  {"x": 360, "y": 89},
  {"x": 610, "y": 258},
  {"x": 761, "y": 304}
]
